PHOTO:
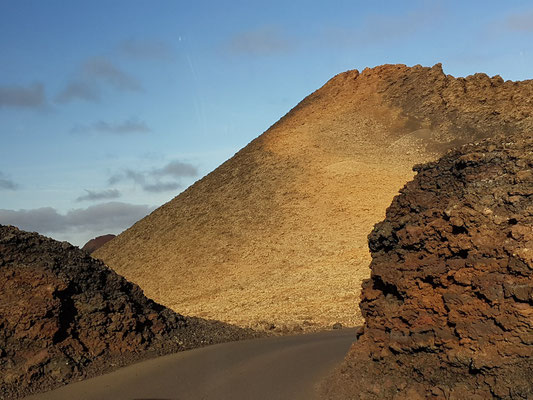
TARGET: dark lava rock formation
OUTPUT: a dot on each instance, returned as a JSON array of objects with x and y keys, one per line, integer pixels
[
  {"x": 65, "y": 316},
  {"x": 94, "y": 244},
  {"x": 449, "y": 306}
]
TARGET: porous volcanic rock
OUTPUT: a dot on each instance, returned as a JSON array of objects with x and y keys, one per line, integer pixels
[
  {"x": 65, "y": 316},
  {"x": 94, "y": 244},
  {"x": 449, "y": 306},
  {"x": 264, "y": 239}
]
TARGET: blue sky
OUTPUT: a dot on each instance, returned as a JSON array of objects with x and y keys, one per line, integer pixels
[{"x": 109, "y": 109}]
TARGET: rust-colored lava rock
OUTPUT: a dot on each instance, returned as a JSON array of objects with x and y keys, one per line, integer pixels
[
  {"x": 449, "y": 306},
  {"x": 94, "y": 244},
  {"x": 65, "y": 316}
]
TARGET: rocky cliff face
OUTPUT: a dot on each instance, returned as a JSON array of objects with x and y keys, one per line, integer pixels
[
  {"x": 449, "y": 306},
  {"x": 268, "y": 228},
  {"x": 94, "y": 244},
  {"x": 66, "y": 316}
]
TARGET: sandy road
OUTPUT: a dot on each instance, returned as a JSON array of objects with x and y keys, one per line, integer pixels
[{"x": 272, "y": 368}]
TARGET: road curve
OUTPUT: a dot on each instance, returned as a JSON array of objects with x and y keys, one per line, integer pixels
[{"x": 286, "y": 367}]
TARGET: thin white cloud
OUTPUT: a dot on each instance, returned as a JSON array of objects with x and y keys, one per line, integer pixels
[
  {"x": 263, "y": 41},
  {"x": 102, "y": 69},
  {"x": 382, "y": 28},
  {"x": 176, "y": 169},
  {"x": 105, "y": 217},
  {"x": 128, "y": 126},
  {"x": 6, "y": 183},
  {"x": 91, "y": 195},
  {"x": 150, "y": 180},
  {"x": 522, "y": 22},
  {"x": 95, "y": 74},
  {"x": 143, "y": 49},
  {"x": 159, "y": 187},
  {"x": 23, "y": 97},
  {"x": 79, "y": 89},
  {"x": 128, "y": 175}
]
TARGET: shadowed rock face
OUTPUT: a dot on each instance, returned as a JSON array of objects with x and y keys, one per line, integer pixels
[
  {"x": 264, "y": 239},
  {"x": 94, "y": 244},
  {"x": 449, "y": 306},
  {"x": 65, "y": 316}
]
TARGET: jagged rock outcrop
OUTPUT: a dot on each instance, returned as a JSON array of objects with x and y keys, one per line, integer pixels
[
  {"x": 94, "y": 244},
  {"x": 265, "y": 240},
  {"x": 449, "y": 306},
  {"x": 65, "y": 316}
]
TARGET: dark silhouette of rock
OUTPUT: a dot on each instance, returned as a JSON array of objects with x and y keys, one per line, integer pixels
[
  {"x": 449, "y": 306},
  {"x": 94, "y": 244},
  {"x": 65, "y": 316}
]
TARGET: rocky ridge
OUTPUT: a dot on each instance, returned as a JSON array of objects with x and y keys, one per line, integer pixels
[
  {"x": 449, "y": 306},
  {"x": 94, "y": 244},
  {"x": 268, "y": 228},
  {"x": 65, "y": 316}
]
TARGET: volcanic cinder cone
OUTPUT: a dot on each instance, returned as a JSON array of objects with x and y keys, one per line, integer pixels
[
  {"x": 278, "y": 233},
  {"x": 65, "y": 316},
  {"x": 94, "y": 244},
  {"x": 449, "y": 307}
]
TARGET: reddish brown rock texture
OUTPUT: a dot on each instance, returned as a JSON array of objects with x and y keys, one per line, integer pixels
[
  {"x": 449, "y": 306},
  {"x": 94, "y": 244},
  {"x": 65, "y": 316}
]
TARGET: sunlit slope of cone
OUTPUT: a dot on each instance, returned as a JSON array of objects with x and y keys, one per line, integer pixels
[{"x": 278, "y": 233}]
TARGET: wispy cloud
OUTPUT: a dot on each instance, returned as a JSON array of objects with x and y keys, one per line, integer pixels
[
  {"x": 263, "y": 41},
  {"x": 103, "y": 69},
  {"x": 92, "y": 195},
  {"x": 129, "y": 126},
  {"x": 150, "y": 181},
  {"x": 382, "y": 28},
  {"x": 128, "y": 175},
  {"x": 79, "y": 89},
  {"x": 176, "y": 169},
  {"x": 24, "y": 97},
  {"x": 157, "y": 50},
  {"x": 159, "y": 187},
  {"x": 105, "y": 217},
  {"x": 6, "y": 183},
  {"x": 522, "y": 22},
  {"x": 94, "y": 74}
]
